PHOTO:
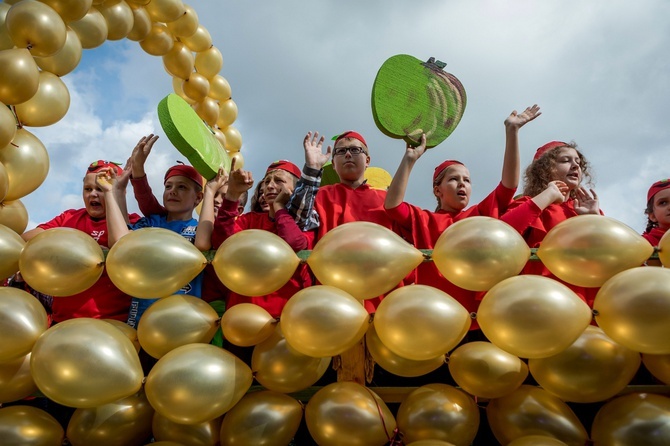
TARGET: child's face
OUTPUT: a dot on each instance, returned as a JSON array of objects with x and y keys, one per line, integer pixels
[
  {"x": 350, "y": 167},
  {"x": 276, "y": 181},
  {"x": 94, "y": 199},
  {"x": 180, "y": 195},
  {"x": 454, "y": 189},
  {"x": 218, "y": 197},
  {"x": 661, "y": 214},
  {"x": 567, "y": 168}
]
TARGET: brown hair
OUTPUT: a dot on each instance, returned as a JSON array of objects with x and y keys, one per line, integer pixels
[
  {"x": 649, "y": 211},
  {"x": 539, "y": 173}
]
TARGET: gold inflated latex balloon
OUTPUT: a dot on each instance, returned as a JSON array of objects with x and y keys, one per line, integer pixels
[
  {"x": 5, "y": 39},
  {"x": 247, "y": 324},
  {"x": 92, "y": 29},
  {"x": 14, "y": 215},
  {"x": 7, "y": 128},
  {"x": 127, "y": 422},
  {"x": 236, "y": 156},
  {"x": 29, "y": 426},
  {"x": 218, "y": 134},
  {"x": 22, "y": 320},
  {"x": 364, "y": 259},
  {"x": 255, "y": 262},
  {"x": 11, "y": 245},
  {"x": 153, "y": 262},
  {"x": 635, "y": 419},
  {"x": 141, "y": 24},
  {"x": 532, "y": 316},
  {"x": 176, "y": 86},
  {"x": 664, "y": 250},
  {"x": 282, "y": 369},
  {"x": 420, "y": 322},
  {"x": 19, "y": 77},
  {"x": 66, "y": 60},
  {"x": 48, "y": 106},
  {"x": 199, "y": 434},
  {"x": 219, "y": 88},
  {"x": 658, "y": 365},
  {"x": 484, "y": 370},
  {"x": 594, "y": 368},
  {"x": 200, "y": 40},
  {"x": 262, "y": 418},
  {"x": 438, "y": 412},
  {"x": 61, "y": 261},
  {"x": 175, "y": 321},
  {"x": 27, "y": 163},
  {"x": 395, "y": 364},
  {"x": 16, "y": 382},
  {"x": 430, "y": 443},
  {"x": 119, "y": 18},
  {"x": 536, "y": 440},
  {"x": 196, "y": 87},
  {"x": 70, "y": 10},
  {"x": 209, "y": 62},
  {"x": 531, "y": 410},
  {"x": 347, "y": 413},
  {"x": 208, "y": 110},
  {"x": 179, "y": 61},
  {"x": 186, "y": 25},
  {"x": 323, "y": 321},
  {"x": 165, "y": 11},
  {"x": 159, "y": 41},
  {"x": 589, "y": 249},
  {"x": 4, "y": 181},
  {"x": 227, "y": 113},
  {"x": 632, "y": 309},
  {"x": 233, "y": 139},
  {"x": 85, "y": 363},
  {"x": 196, "y": 383},
  {"x": 127, "y": 330},
  {"x": 478, "y": 252},
  {"x": 36, "y": 26}
]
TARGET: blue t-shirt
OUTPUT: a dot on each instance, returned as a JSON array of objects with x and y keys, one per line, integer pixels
[{"x": 185, "y": 228}]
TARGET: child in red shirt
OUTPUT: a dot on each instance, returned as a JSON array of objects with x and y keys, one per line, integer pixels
[{"x": 658, "y": 211}]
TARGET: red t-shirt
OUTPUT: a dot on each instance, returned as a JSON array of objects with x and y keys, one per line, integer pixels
[
  {"x": 103, "y": 300},
  {"x": 654, "y": 236}
]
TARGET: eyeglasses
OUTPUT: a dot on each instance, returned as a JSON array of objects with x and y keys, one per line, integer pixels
[
  {"x": 354, "y": 150},
  {"x": 95, "y": 165}
]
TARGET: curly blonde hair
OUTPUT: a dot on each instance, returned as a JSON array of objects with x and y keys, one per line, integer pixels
[{"x": 539, "y": 173}]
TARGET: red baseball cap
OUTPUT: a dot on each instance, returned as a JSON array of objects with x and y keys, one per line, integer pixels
[
  {"x": 284, "y": 165},
  {"x": 444, "y": 165},
  {"x": 350, "y": 134},
  {"x": 97, "y": 166},
  {"x": 547, "y": 147},
  {"x": 184, "y": 171},
  {"x": 657, "y": 187}
]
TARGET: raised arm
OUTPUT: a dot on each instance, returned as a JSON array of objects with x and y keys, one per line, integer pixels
[
  {"x": 203, "y": 235},
  {"x": 395, "y": 194},
  {"x": 225, "y": 223},
  {"x": 116, "y": 223},
  {"x": 512, "y": 159},
  {"x": 148, "y": 203},
  {"x": 119, "y": 190}
]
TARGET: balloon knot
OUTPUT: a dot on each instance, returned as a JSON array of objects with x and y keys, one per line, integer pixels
[
  {"x": 596, "y": 312},
  {"x": 473, "y": 315}
]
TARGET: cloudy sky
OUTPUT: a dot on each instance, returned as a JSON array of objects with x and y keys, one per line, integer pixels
[{"x": 599, "y": 70}]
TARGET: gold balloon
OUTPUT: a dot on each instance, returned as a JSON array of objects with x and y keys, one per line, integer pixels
[
  {"x": 536, "y": 440},
  {"x": 632, "y": 307},
  {"x": 532, "y": 316},
  {"x": 395, "y": 364},
  {"x": 61, "y": 261},
  {"x": 478, "y": 252},
  {"x": 438, "y": 412},
  {"x": 196, "y": 87},
  {"x": 484, "y": 370},
  {"x": 141, "y": 25},
  {"x": 531, "y": 410},
  {"x": 176, "y": 86},
  {"x": 278, "y": 367},
  {"x": 11, "y": 245},
  {"x": 658, "y": 365},
  {"x": 27, "y": 163},
  {"x": 92, "y": 29},
  {"x": 237, "y": 157},
  {"x": 323, "y": 321},
  {"x": 22, "y": 320},
  {"x": 635, "y": 419},
  {"x": 179, "y": 61},
  {"x": 218, "y": 134},
  {"x": 165, "y": 10},
  {"x": 175, "y": 321},
  {"x": 347, "y": 413},
  {"x": 119, "y": 18},
  {"x": 262, "y": 418},
  {"x": 159, "y": 41},
  {"x": 227, "y": 113},
  {"x": 126, "y": 422},
  {"x": 208, "y": 110},
  {"x": 127, "y": 330},
  {"x": 85, "y": 363},
  {"x": 19, "y": 77},
  {"x": 36, "y": 26},
  {"x": 429, "y": 443},
  {"x": 29, "y": 426},
  {"x": 664, "y": 250},
  {"x": 196, "y": 383},
  {"x": 209, "y": 62},
  {"x": 589, "y": 249},
  {"x": 7, "y": 127},
  {"x": 4, "y": 182},
  {"x": 247, "y": 324},
  {"x": 14, "y": 215},
  {"x": 233, "y": 139},
  {"x": 16, "y": 382},
  {"x": 48, "y": 106},
  {"x": 6, "y": 41},
  {"x": 364, "y": 259},
  {"x": 200, "y": 434},
  {"x": 153, "y": 262},
  {"x": 70, "y": 10},
  {"x": 255, "y": 262},
  {"x": 200, "y": 40},
  {"x": 64, "y": 61},
  {"x": 594, "y": 368},
  {"x": 186, "y": 25},
  {"x": 219, "y": 88}
]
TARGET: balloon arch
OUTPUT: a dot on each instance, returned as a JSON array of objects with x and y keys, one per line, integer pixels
[{"x": 198, "y": 393}]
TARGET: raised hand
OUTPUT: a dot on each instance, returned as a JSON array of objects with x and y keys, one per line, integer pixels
[
  {"x": 586, "y": 201},
  {"x": 239, "y": 181},
  {"x": 518, "y": 120},
  {"x": 140, "y": 154},
  {"x": 217, "y": 182},
  {"x": 106, "y": 179},
  {"x": 414, "y": 153},
  {"x": 314, "y": 156}
]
